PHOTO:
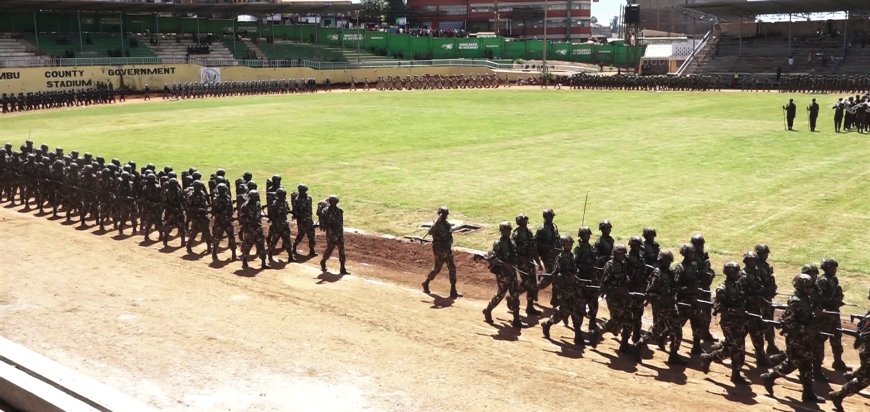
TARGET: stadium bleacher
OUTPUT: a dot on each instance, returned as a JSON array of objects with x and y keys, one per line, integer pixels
[{"x": 95, "y": 45}]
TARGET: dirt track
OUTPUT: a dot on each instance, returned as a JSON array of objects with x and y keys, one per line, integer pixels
[{"x": 180, "y": 333}]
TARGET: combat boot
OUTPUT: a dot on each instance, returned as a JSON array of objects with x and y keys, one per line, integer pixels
[
  {"x": 454, "y": 293},
  {"x": 546, "y": 327},
  {"x": 638, "y": 349},
  {"x": 311, "y": 252},
  {"x": 516, "y": 322},
  {"x": 244, "y": 262},
  {"x": 675, "y": 359},
  {"x": 761, "y": 360},
  {"x": 323, "y": 266},
  {"x": 531, "y": 311},
  {"x": 263, "y": 264},
  {"x": 838, "y": 364},
  {"x": 271, "y": 258},
  {"x": 696, "y": 346},
  {"x": 578, "y": 338},
  {"x": 426, "y": 287},
  {"x": 772, "y": 349},
  {"x": 234, "y": 254},
  {"x": 818, "y": 374},
  {"x": 291, "y": 256},
  {"x": 737, "y": 378},
  {"x": 487, "y": 315},
  {"x": 189, "y": 250},
  {"x": 837, "y": 400},
  {"x": 808, "y": 396},
  {"x": 214, "y": 256},
  {"x": 624, "y": 347},
  {"x": 767, "y": 380},
  {"x": 706, "y": 360},
  {"x": 343, "y": 270}
]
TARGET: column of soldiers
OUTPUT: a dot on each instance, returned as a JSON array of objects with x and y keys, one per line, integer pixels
[
  {"x": 823, "y": 83},
  {"x": 195, "y": 90},
  {"x": 101, "y": 93},
  {"x": 113, "y": 195},
  {"x": 692, "y": 82},
  {"x": 631, "y": 278},
  {"x": 437, "y": 81}
]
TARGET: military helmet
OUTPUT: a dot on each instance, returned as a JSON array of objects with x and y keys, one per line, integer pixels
[
  {"x": 697, "y": 239},
  {"x": 802, "y": 281},
  {"x": 252, "y": 185},
  {"x": 44, "y": 148},
  {"x": 762, "y": 248},
  {"x": 197, "y": 184},
  {"x": 150, "y": 178},
  {"x": 749, "y": 255},
  {"x": 731, "y": 268},
  {"x": 619, "y": 248},
  {"x": 281, "y": 193},
  {"x": 247, "y": 176},
  {"x": 810, "y": 269},
  {"x": 222, "y": 188},
  {"x": 566, "y": 240},
  {"x": 302, "y": 187},
  {"x": 443, "y": 210},
  {"x": 666, "y": 256},
  {"x": 332, "y": 199},
  {"x": 548, "y": 214},
  {"x": 116, "y": 161},
  {"x": 220, "y": 172},
  {"x": 521, "y": 219},
  {"x": 828, "y": 263},
  {"x": 505, "y": 225},
  {"x": 649, "y": 231},
  {"x": 634, "y": 241},
  {"x": 167, "y": 169},
  {"x": 604, "y": 223},
  {"x": 686, "y": 249},
  {"x": 196, "y": 175},
  {"x": 584, "y": 230},
  {"x": 276, "y": 178}
]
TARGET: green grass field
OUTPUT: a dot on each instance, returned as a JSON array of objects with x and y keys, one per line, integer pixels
[{"x": 715, "y": 163}]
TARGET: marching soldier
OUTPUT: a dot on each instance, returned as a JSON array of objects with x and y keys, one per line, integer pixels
[
  {"x": 251, "y": 222},
  {"x": 197, "y": 215},
  {"x": 615, "y": 289},
  {"x": 765, "y": 271},
  {"x": 830, "y": 296},
  {"x": 502, "y": 260},
  {"x": 527, "y": 258},
  {"x": 222, "y": 210},
  {"x": 662, "y": 293},
  {"x": 730, "y": 302},
  {"x": 332, "y": 222},
  {"x": 442, "y": 244},
  {"x": 302, "y": 213},
  {"x": 279, "y": 227},
  {"x": 861, "y": 378},
  {"x": 546, "y": 239},
  {"x": 570, "y": 304}
]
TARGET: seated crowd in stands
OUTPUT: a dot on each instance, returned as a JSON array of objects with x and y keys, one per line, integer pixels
[{"x": 427, "y": 32}]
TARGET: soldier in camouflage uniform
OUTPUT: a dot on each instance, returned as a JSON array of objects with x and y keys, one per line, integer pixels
[
  {"x": 604, "y": 244},
  {"x": 279, "y": 226},
  {"x": 71, "y": 188},
  {"x": 861, "y": 378},
  {"x": 332, "y": 222},
  {"x": 765, "y": 270},
  {"x": 546, "y": 239},
  {"x": 251, "y": 222},
  {"x": 753, "y": 288},
  {"x": 527, "y": 257},
  {"x": 126, "y": 203},
  {"x": 799, "y": 327},
  {"x": 222, "y": 211},
  {"x": 570, "y": 304},
  {"x": 197, "y": 215},
  {"x": 502, "y": 260},
  {"x": 637, "y": 282},
  {"x": 442, "y": 243},
  {"x": 688, "y": 281},
  {"x": 615, "y": 288},
  {"x": 302, "y": 212},
  {"x": 650, "y": 246},
  {"x": 661, "y": 291},
  {"x": 88, "y": 195},
  {"x": 830, "y": 296},
  {"x": 731, "y": 303},
  {"x": 173, "y": 212},
  {"x": 705, "y": 281},
  {"x": 151, "y": 208},
  {"x": 584, "y": 259}
]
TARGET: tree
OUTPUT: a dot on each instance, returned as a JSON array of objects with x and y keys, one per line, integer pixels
[
  {"x": 373, "y": 11},
  {"x": 614, "y": 25},
  {"x": 396, "y": 8}
]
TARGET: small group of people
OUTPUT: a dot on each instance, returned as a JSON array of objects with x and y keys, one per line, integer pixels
[{"x": 850, "y": 113}]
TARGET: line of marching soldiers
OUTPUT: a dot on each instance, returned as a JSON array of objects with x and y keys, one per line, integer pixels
[
  {"x": 630, "y": 278},
  {"x": 435, "y": 81},
  {"x": 196, "y": 90},
  {"x": 89, "y": 188},
  {"x": 101, "y": 93}
]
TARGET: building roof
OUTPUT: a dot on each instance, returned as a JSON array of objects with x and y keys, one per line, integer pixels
[
  {"x": 226, "y": 8},
  {"x": 742, "y": 8}
]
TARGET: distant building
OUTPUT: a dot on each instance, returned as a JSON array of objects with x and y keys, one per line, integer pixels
[{"x": 566, "y": 19}]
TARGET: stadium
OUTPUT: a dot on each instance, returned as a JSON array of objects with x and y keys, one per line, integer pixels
[{"x": 139, "y": 133}]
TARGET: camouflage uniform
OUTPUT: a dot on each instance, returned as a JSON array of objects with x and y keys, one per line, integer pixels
[
  {"x": 799, "y": 327},
  {"x": 546, "y": 240},
  {"x": 197, "y": 215},
  {"x": 584, "y": 259},
  {"x": 151, "y": 207},
  {"x": 705, "y": 281},
  {"x": 830, "y": 296},
  {"x": 615, "y": 286},
  {"x": 765, "y": 270},
  {"x": 688, "y": 281},
  {"x": 173, "y": 212},
  {"x": 731, "y": 304},
  {"x": 637, "y": 282},
  {"x": 650, "y": 247},
  {"x": 332, "y": 221},
  {"x": 661, "y": 291},
  {"x": 442, "y": 243},
  {"x": 279, "y": 227},
  {"x": 752, "y": 285},
  {"x": 861, "y": 377},
  {"x": 302, "y": 212},
  {"x": 570, "y": 304},
  {"x": 502, "y": 259},
  {"x": 527, "y": 256},
  {"x": 126, "y": 204},
  {"x": 222, "y": 210},
  {"x": 251, "y": 222}
]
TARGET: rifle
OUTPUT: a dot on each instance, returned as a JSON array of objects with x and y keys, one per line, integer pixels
[
  {"x": 496, "y": 261},
  {"x": 854, "y": 316},
  {"x": 689, "y": 305},
  {"x": 831, "y": 312},
  {"x": 583, "y": 219},
  {"x": 422, "y": 240}
]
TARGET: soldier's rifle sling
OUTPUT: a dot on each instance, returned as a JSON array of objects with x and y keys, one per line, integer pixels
[
  {"x": 854, "y": 316},
  {"x": 831, "y": 312}
]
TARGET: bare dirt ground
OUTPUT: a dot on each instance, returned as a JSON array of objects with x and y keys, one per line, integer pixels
[{"x": 181, "y": 333}]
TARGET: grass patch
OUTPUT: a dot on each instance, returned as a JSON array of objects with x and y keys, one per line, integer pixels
[{"x": 715, "y": 163}]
